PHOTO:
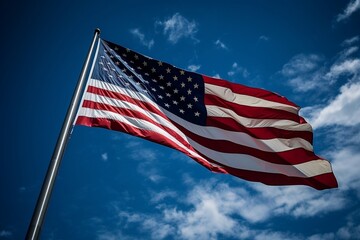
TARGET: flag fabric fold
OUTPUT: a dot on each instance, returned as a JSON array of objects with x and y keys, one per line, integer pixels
[{"x": 230, "y": 128}]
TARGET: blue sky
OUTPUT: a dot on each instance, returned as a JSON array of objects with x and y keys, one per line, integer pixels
[{"x": 115, "y": 186}]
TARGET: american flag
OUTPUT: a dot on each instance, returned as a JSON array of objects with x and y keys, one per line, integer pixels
[{"x": 230, "y": 128}]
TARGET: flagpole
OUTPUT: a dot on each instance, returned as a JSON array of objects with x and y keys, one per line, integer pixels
[{"x": 48, "y": 184}]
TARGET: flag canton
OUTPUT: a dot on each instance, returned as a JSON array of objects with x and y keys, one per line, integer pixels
[{"x": 179, "y": 91}]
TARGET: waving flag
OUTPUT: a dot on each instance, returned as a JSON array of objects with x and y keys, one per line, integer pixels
[{"x": 251, "y": 133}]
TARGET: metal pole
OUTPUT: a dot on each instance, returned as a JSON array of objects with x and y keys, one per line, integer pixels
[{"x": 48, "y": 184}]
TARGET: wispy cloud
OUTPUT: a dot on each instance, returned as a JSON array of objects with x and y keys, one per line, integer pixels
[
  {"x": 178, "y": 27},
  {"x": 306, "y": 72},
  {"x": 160, "y": 196},
  {"x": 5, "y": 234},
  {"x": 139, "y": 35},
  {"x": 104, "y": 157},
  {"x": 348, "y": 66},
  {"x": 343, "y": 110},
  {"x": 236, "y": 69},
  {"x": 264, "y": 38},
  {"x": 350, "y": 41},
  {"x": 220, "y": 44},
  {"x": 352, "y": 7},
  {"x": 217, "y": 76},
  {"x": 147, "y": 158},
  {"x": 193, "y": 67}
]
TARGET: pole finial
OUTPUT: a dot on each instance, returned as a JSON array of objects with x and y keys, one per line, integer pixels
[{"x": 97, "y": 30}]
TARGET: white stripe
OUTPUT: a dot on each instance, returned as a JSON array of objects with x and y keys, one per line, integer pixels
[
  {"x": 240, "y": 138},
  {"x": 250, "y": 163},
  {"x": 216, "y": 111},
  {"x": 246, "y": 100}
]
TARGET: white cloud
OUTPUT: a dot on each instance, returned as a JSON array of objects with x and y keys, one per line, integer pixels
[
  {"x": 214, "y": 210},
  {"x": 304, "y": 72},
  {"x": 344, "y": 165},
  {"x": 347, "y": 52},
  {"x": 104, "y": 157},
  {"x": 160, "y": 196},
  {"x": 178, "y": 27},
  {"x": 352, "y": 7},
  {"x": 217, "y": 76},
  {"x": 5, "y": 234},
  {"x": 264, "y": 38},
  {"x": 147, "y": 158},
  {"x": 193, "y": 67},
  {"x": 343, "y": 110},
  {"x": 139, "y": 35},
  {"x": 236, "y": 69},
  {"x": 300, "y": 64},
  {"x": 220, "y": 44},
  {"x": 349, "y": 66},
  {"x": 350, "y": 41}
]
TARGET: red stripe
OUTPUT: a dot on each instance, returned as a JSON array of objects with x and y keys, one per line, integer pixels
[
  {"x": 255, "y": 92},
  {"x": 260, "y": 133},
  {"x": 135, "y": 114},
  {"x": 251, "y": 112},
  {"x": 289, "y": 157},
  {"x": 319, "y": 182}
]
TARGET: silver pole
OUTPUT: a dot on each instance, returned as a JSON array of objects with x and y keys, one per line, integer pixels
[{"x": 48, "y": 184}]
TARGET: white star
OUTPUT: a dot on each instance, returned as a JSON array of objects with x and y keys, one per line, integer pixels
[
  {"x": 153, "y": 70},
  {"x": 168, "y": 70},
  {"x": 160, "y": 63},
  {"x": 182, "y": 98},
  {"x": 167, "y": 105},
  {"x": 182, "y": 85},
  {"x": 168, "y": 84},
  {"x": 128, "y": 50},
  {"x": 189, "y": 92},
  {"x": 189, "y": 79},
  {"x": 196, "y": 99},
  {"x": 175, "y": 102},
  {"x": 175, "y": 78},
  {"x": 182, "y": 72},
  {"x": 168, "y": 94},
  {"x": 176, "y": 91},
  {"x": 181, "y": 111},
  {"x": 189, "y": 105},
  {"x": 161, "y": 77},
  {"x": 136, "y": 56},
  {"x": 161, "y": 97},
  {"x": 145, "y": 64},
  {"x": 153, "y": 89},
  {"x": 197, "y": 114},
  {"x": 196, "y": 85}
]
